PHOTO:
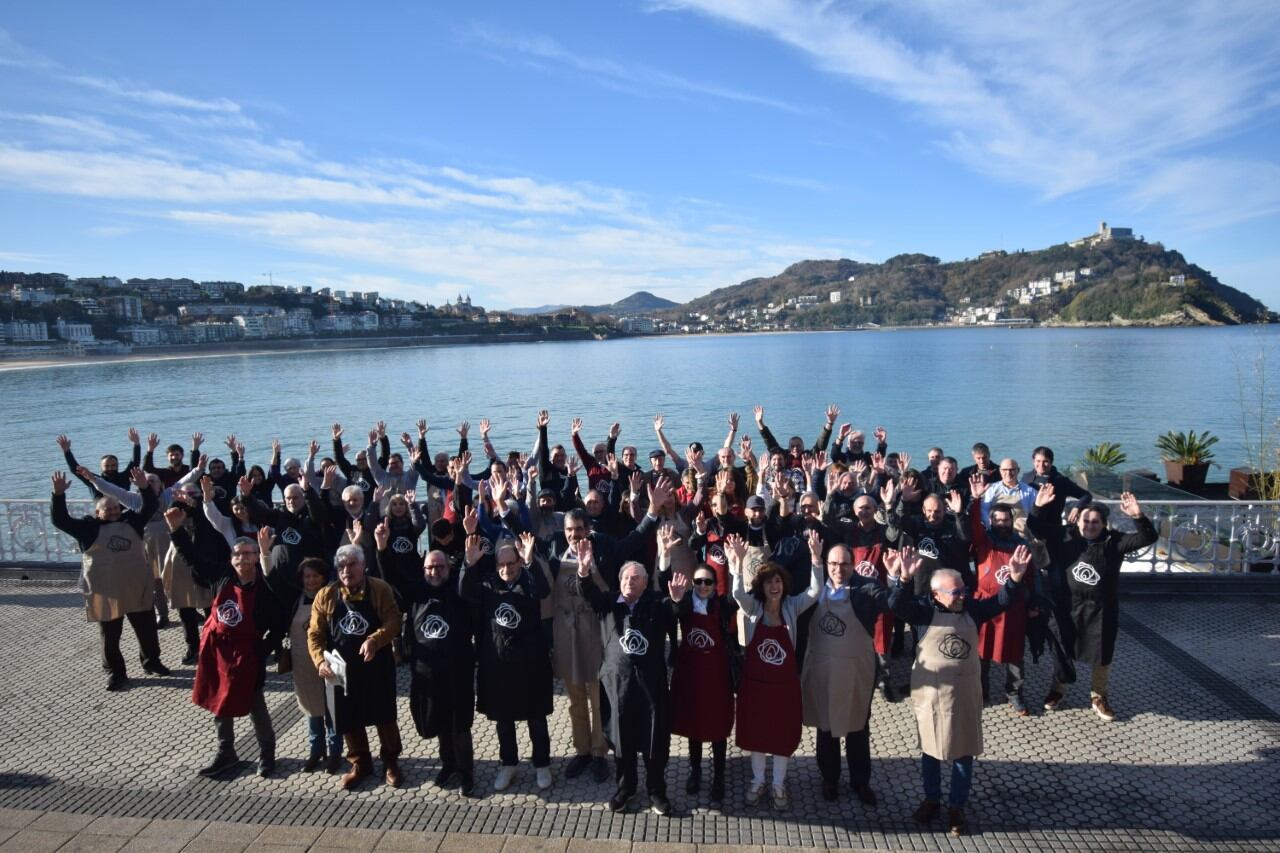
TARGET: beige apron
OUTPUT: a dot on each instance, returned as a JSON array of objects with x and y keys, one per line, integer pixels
[
  {"x": 179, "y": 583},
  {"x": 577, "y": 649},
  {"x": 115, "y": 578},
  {"x": 946, "y": 688},
  {"x": 308, "y": 686},
  {"x": 755, "y": 557},
  {"x": 839, "y": 670}
]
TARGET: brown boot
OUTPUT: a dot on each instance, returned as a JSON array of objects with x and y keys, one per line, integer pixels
[
  {"x": 361, "y": 766},
  {"x": 392, "y": 767}
]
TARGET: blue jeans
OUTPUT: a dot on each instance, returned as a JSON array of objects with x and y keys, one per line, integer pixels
[
  {"x": 320, "y": 729},
  {"x": 961, "y": 779}
]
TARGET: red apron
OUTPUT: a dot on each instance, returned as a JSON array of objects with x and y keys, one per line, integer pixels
[
  {"x": 1003, "y": 638},
  {"x": 701, "y": 695},
  {"x": 769, "y": 706},
  {"x": 227, "y": 669},
  {"x": 717, "y": 561},
  {"x": 868, "y": 561}
]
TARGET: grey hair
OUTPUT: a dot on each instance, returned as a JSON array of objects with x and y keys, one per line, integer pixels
[
  {"x": 104, "y": 502},
  {"x": 943, "y": 574},
  {"x": 245, "y": 540},
  {"x": 348, "y": 551},
  {"x": 292, "y": 486},
  {"x": 633, "y": 564},
  {"x": 291, "y": 462},
  {"x": 350, "y": 490}
]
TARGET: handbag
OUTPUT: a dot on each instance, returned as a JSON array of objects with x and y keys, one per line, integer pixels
[{"x": 284, "y": 658}]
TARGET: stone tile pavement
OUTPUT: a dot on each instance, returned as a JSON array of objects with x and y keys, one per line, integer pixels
[{"x": 1191, "y": 763}]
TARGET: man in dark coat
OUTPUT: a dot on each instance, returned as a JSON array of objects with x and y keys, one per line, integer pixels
[
  {"x": 1085, "y": 568},
  {"x": 633, "y": 676}
]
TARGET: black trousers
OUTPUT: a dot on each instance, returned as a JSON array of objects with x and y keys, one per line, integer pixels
[
  {"x": 718, "y": 748},
  {"x": 655, "y": 773},
  {"x": 262, "y": 727},
  {"x": 857, "y": 747},
  {"x": 456, "y": 752},
  {"x": 143, "y": 623},
  {"x": 191, "y": 621},
  {"x": 1014, "y": 678},
  {"x": 509, "y": 750}
]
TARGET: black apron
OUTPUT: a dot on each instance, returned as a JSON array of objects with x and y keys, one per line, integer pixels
[
  {"x": 635, "y": 705},
  {"x": 370, "y": 696},
  {"x": 442, "y": 691},
  {"x": 515, "y": 666}
]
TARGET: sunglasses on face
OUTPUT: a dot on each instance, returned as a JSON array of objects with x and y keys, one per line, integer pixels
[{"x": 704, "y": 581}]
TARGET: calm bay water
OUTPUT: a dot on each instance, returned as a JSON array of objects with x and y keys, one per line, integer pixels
[{"x": 1014, "y": 389}]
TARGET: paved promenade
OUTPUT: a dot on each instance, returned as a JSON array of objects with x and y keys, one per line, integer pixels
[{"x": 1191, "y": 763}]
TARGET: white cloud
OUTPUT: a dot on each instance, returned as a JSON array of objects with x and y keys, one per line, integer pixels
[{"x": 154, "y": 97}]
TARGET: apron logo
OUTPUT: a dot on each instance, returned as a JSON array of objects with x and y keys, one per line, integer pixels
[
  {"x": 219, "y": 492},
  {"x": 715, "y": 553},
  {"x": 1002, "y": 574},
  {"x": 603, "y": 487},
  {"x": 954, "y": 647},
  {"x": 926, "y": 547},
  {"x": 633, "y": 642},
  {"x": 1086, "y": 574},
  {"x": 434, "y": 628},
  {"x": 701, "y": 640},
  {"x": 118, "y": 543},
  {"x": 402, "y": 545},
  {"x": 866, "y": 569},
  {"x": 290, "y": 536},
  {"x": 772, "y": 652},
  {"x": 353, "y": 624},
  {"x": 363, "y": 484},
  {"x": 831, "y": 625},
  {"x": 507, "y": 616},
  {"x": 230, "y": 614}
]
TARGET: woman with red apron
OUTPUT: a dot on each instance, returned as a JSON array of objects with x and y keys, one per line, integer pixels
[{"x": 701, "y": 686}]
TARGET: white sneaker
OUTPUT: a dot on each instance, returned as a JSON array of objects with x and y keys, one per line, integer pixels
[
  {"x": 544, "y": 778},
  {"x": 502, "y": 781},
  {"x": 754, "y": 793}
]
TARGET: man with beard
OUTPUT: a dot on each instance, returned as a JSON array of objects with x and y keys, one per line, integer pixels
[
  {"x": 442, "y": 690},
  {"x": 170, "y": 475},
  {"x": 633, "y": 676},
  {"x": 357, "y": 617},
  {"x": 108, "y": 466},
  {"x": 839, "y": 673},
  {"x": 795, "y": 445},
  {"x": 1085, "y": 573},
  {"x": 115, "y": 578},
  {"x": 246, "y": 621},
  {"x": 1064, "y": 489},
  {"x": 1003, "y": 639}
]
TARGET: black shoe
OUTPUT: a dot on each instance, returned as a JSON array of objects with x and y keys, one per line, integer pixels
[
  {"x": 600, "y": 769},
  {"x": 830, "y": 791},
  {"x": 660, "y": 804},
  {"x": 312, "y": 762},
  {"x": 445, "y": 776},
  {"x": 866, "y": 795},
  {"x": 192, "y": 655},
  {"x": 162, "y": 622},
  {"x": 117, "y": 683},
  {"x": 333, "y": 764},
  {"x": 717, "y": 790},
  {"x": 888, "y": 692},
  {"x": 619, "y": 801},
  {"x": 266, "y": 763},
  {"x": 157, "y": 668},
  {"x": 467, "y": 785},
  {"x": 695, "y": 780},
  {"x": 222, "y": 762},
  {"x": 577, "y": 766}
]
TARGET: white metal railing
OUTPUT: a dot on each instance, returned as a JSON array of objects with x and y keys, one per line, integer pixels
[{"x": 1211, "y": 537}]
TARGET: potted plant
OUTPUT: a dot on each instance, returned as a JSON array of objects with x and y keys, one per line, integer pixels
[
  {"x": 1186, "y": 457},
  {"x": 1100, "y": 459}
]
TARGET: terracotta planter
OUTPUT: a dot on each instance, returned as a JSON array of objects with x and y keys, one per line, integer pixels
[{"x": 1189, "y": 478}]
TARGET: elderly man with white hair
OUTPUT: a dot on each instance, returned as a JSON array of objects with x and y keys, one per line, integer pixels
[
  {"x": 115, "y": 578},
  {"x": 357, "y": 617}
]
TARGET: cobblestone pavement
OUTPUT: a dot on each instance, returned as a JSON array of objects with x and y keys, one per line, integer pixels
[{"x": 1190, "y": 764}]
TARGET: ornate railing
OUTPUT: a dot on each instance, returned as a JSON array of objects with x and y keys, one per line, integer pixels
[{"x": 1213, "y": 537}]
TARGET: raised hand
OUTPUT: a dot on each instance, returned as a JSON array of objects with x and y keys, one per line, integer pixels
[
  {"x": 410, "y": 496},
  {"x": 337, "y": 434},
  {"x": 84, "y": 473},
  {"x": 327, "y": 476},
  {"x": 586, "y": 558},
  {"x": 659, "y": 493},
  {"x": 470, "y": 521},
  {"x": 197, "y": 439},
  {"x": 134, "y": 438},
  {"x": 382, "y": 429},
  {"x": 275, "y": 448},
  {"x": 474, "y": 550},
  {"x": 904, "y": 461},
  {"x": 955, "y": 502},
  {"x": 744, "y": 446},
  {"x": 139, "y": 478},
  {"x": 464, "y": 428},
  {"x": 678, "y": 586},
  {"x": 406, "y": 440},
  {"x": 231, "y": 443},
  {"x": 909, "y": 491},
  {"x": 573, "y": 466},
  {"x": 63, "y": 442},
  {"x": 615, "y": 430},
  {"x": 758, "y": 411},
  {"x": 1044, "y": 496},
  {"x": 764, "y": 461},
  {"x": 266, "y": 539},
  {"x": 313, "y": 448},
  {"x": 636, "y": 481},
  {"x": 733, "y": 421},
  {"x": 845, "y": 429},
  {"x": 373, "y": 437},
  {"x": 206, "y": 487},
  {"x": 611, "y": 462},
  {"x": 977, "y": 485},
  {"x": 544, "y": 418},
  {"x": 659, "y": 420},
  {"x": 667, "y": 538},
  {"x": 1129, "y": 505},
  {"x": 1019, "y": 562},
  {"x": 240, "y": 449},
  {"x": 877, "y": 462},
  {"x": 379, "y": 493},
  {"x": 887, "y": 493},
  {"x": 814, "y": 540},
  {"x": 173, "y": 517},
  {"x": 910, "y": 562},
  {"x": 882, "y": 437},
  {"x": 246, "y": 486},
  {"x": 735, "y": 551},
  {"x": 61, "y": 482},
  {"x": 382, "y": 535},
  {"x": 153, "y": 441},
  {"x": 484, "y": 429},
  {"x": 833, "y": 412},
  {"x": 355, "y": 531},
  {"x": 528, "y": 544},
  {"x": 203, "y": 462},
  {"x": 700, "y": 523},
  {"x": 422, "y": 427},
  {"x": 820, "y": 459},
  {"x": 575, "y": 426}
]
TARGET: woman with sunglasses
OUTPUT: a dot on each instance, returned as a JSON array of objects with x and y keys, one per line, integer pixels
[{"x": 701, "y": 685}]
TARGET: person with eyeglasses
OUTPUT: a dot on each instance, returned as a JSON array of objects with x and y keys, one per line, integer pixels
[
  {"x": 701, "y": 683},
  {"x": 1009, "y": 490},
  {"x": 514, "y": 682},
  {"x": 946, "y": 696},
  {"x": 247, "y": 620},
  {"x": 357, "y": 617},
  {"x": 838, "y": 677}
]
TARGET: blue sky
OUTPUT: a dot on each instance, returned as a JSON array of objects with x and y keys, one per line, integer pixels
[{"x": 575, "y": 152}]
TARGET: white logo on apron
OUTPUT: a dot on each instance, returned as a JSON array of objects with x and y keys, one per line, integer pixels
[
  {"x": 633, "y": 642},
  {"x": 230, "y": 614},
  {"x": 866, "y": 568},
  {"x": 831, "y": 625},
  {"x": 1002, "y": 574},
  {"x": 402, "y": 545},
  {"x": 772, "y": 652},
  {"x": 1086, "y": 574},
  {"x": 507, "y": 616},
  {"x": 118, "y": 543},
  {"x": 715, "y": 553},
  {"x": 434, "y": 628},
  {"x": 290, "y": 536},
  {"x": 954, "y": 647},
  {"x": 353, "y": 624},
  {"x": 700, "y": 639},
  {"x": 926, "y": 547},
  {"x": 363, "y": 484},
  {"x": 219, "y": 492}
]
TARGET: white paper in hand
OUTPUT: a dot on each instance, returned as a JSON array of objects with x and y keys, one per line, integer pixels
[{"x": 339, "y": 668}]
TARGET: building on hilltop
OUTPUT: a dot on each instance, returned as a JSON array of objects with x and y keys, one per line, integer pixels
[{"x": 1104, "y": 234}]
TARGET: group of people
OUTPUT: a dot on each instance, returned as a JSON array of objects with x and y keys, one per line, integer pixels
[{"x": 707, "y": 595}]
